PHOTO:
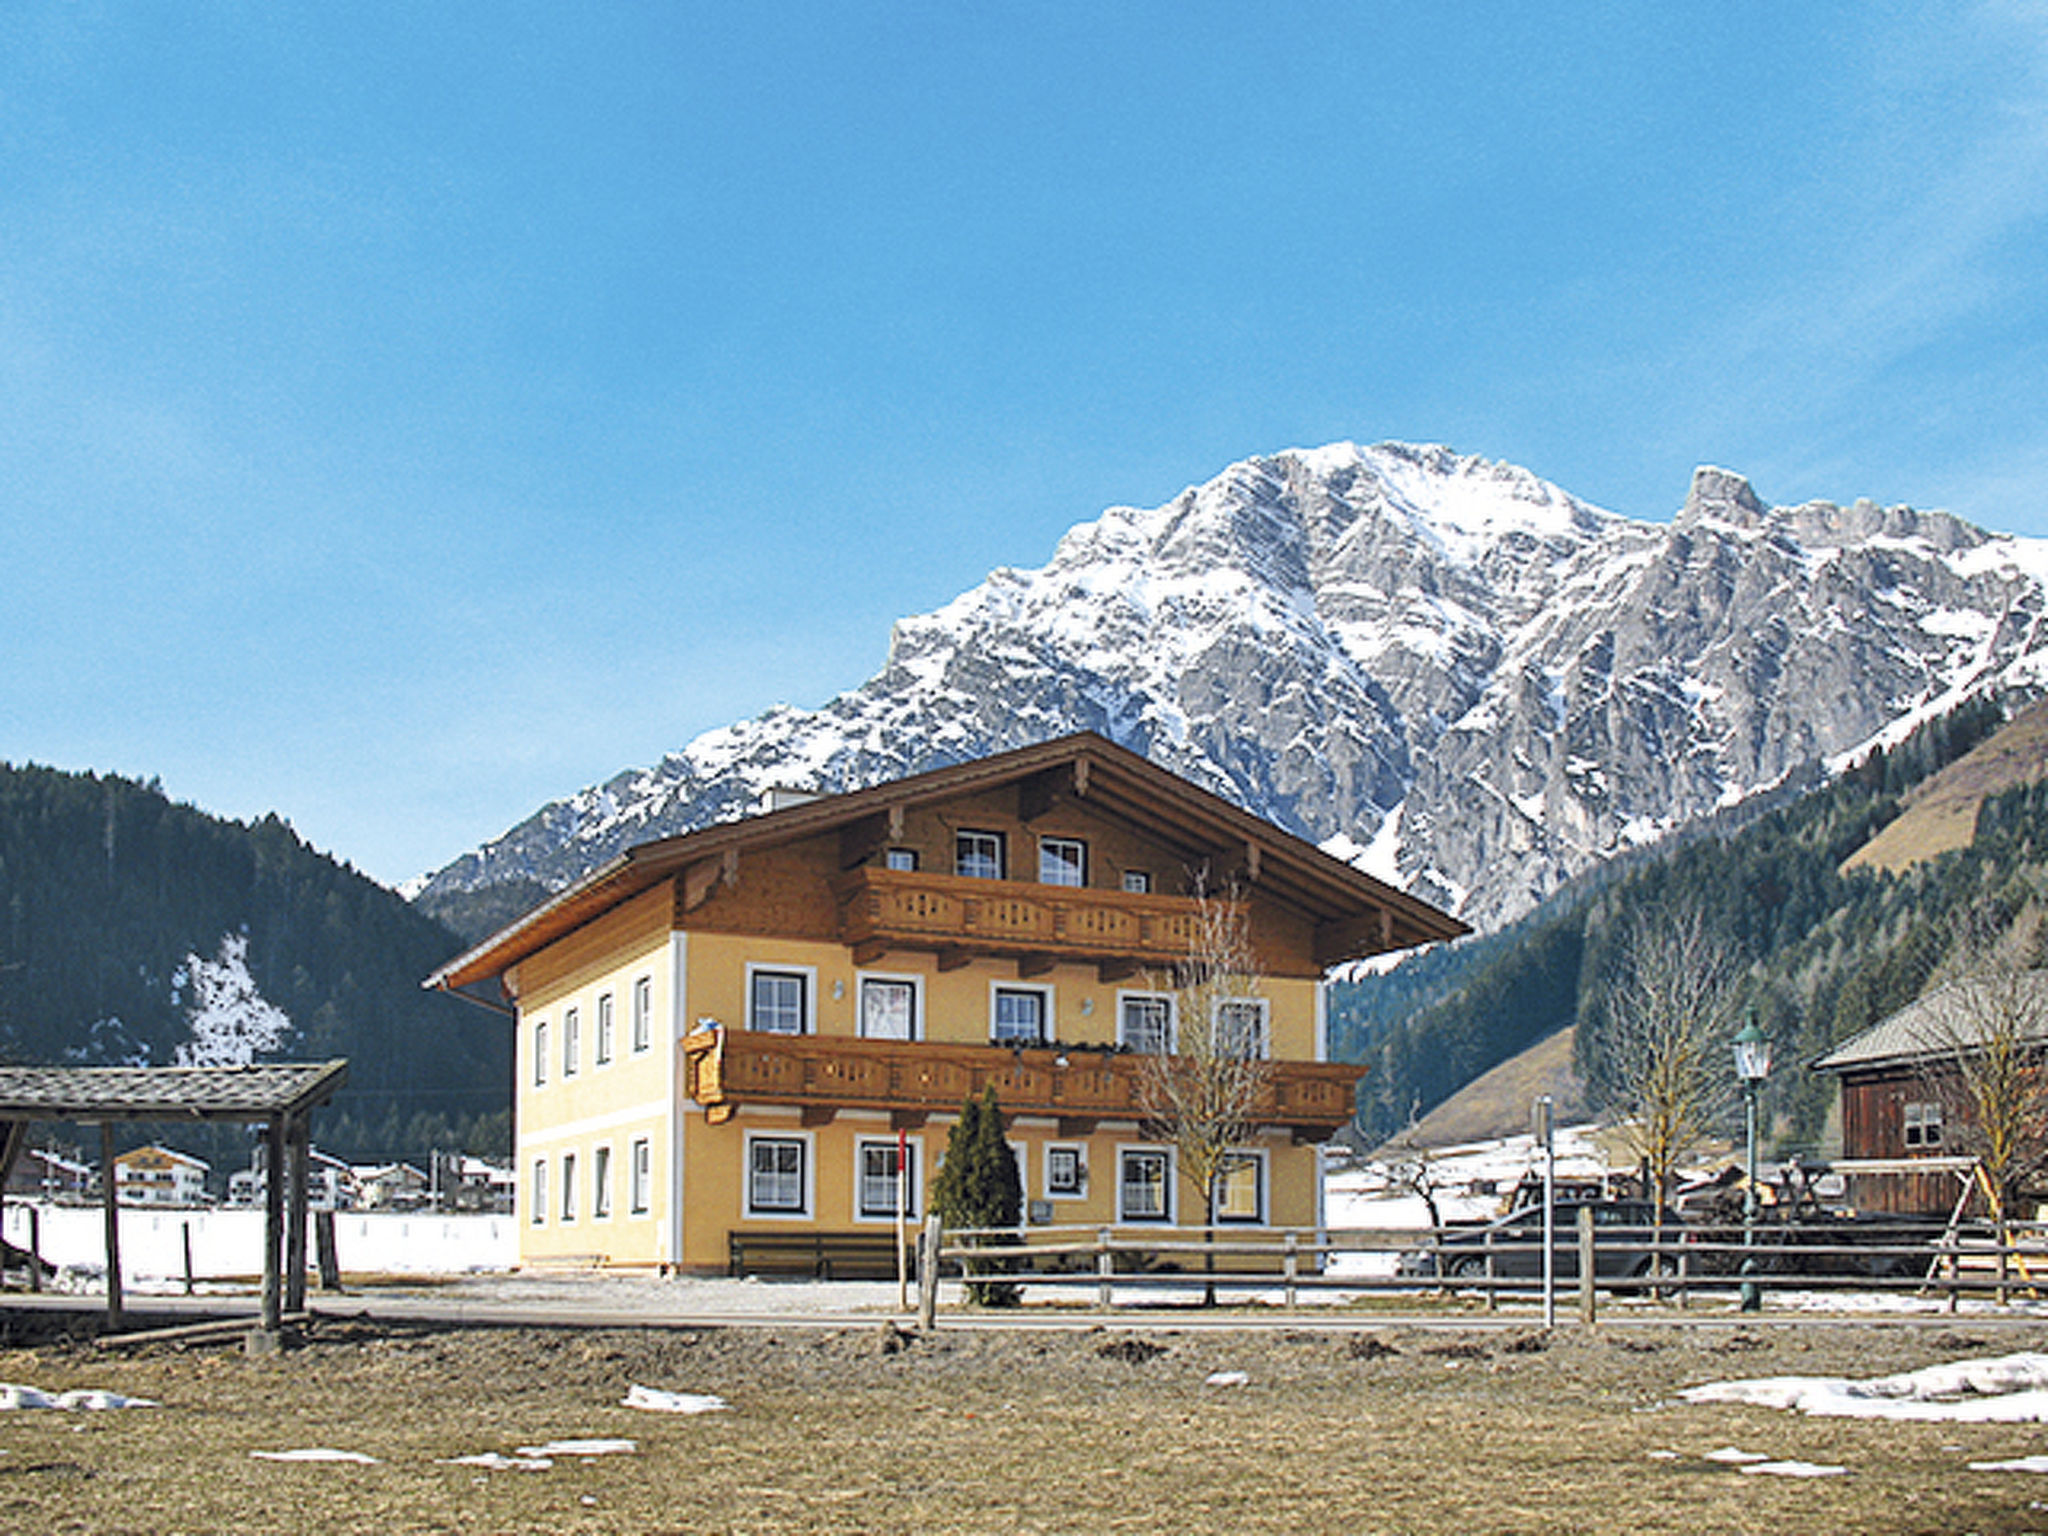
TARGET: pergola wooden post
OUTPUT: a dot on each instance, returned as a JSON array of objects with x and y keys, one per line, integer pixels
[
  {"x": 280, "y": 1097},
  {"x": 110, "y": 1195}
]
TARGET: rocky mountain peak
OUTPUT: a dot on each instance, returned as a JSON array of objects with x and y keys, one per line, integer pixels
[
  {"x": 1722, "y": 496},
  {"x": 1446, "y": 667}
]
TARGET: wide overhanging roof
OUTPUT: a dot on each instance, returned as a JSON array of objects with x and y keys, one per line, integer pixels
[
  {"x": 1202, "y": 827},
  {"x": 241, "y": 1094}
]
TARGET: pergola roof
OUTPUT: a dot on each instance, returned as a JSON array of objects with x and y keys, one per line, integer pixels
[{"x": 167, "y": 1093}]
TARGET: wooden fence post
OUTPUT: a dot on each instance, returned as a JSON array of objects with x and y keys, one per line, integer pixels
[
  {"x": 928, "y": 1275},
  {"x": 1586, "y": 1302}
]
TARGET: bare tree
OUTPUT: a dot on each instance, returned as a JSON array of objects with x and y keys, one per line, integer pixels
[
  {"x": 1670, "y": 1016},
  {"x": 1203, "y": 1093},
  {"x": 1983, "y": 1035}
]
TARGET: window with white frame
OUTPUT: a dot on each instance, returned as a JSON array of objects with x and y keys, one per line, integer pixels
[
  {"x": 779, "y": 1002},
  {"x": 1066, "y": 1170},
  {"x": 1138, "y": 881},
  {"x": 1241, "y": 1027},
  {"x": 1144, "y": 1184},
  {"x": 568, "y": 1186},
  {"x": 1144, "y": 1022},
  {"x": 537, "y": 1203},
  {"x": 642, "y": 1177},
  {"x": 643, "y": 1014},
  {"x": 903, "y": 859},
  {"x": 778, "y": 1176},
  {"x": 572, "y": 1041},
  {"x": 1018, "y": 1015},
  {"x": 1923, "y": 1125},
  {"x": 1241, "y": 1188},
  {"x": 978, "y": 855},
  {"x": 876, "y": 1177},
  {"x": 1062, "y": 861},
  {"x": 604, "y": 1029},
  {"x": 888, "y": 1008},
  {"x": 601, "y": 1184},
  {"x": 540, "y": 1053}
]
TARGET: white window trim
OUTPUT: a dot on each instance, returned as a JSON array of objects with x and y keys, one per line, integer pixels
[
  {"x": 1264, "y": 1006},
  {"x": 568, "y": 1195},
  {"x": 604, "y": 1036},
  {"x": 914, "y": 1160},
  {"x": 810, "y": 975},
  {"x": 572, "y": 1041},
  {"x": 810, "y": 1205},
  {"x": 537, "y": 1194},
  {"x": 1079, "y": 844},
  {"x": 860, "y": 980},
  {"x": 1172, "y": 1015},
  {"x": 1080, "y": 1151},
  {"x": 1002, "y": 846},
  {"x": 1048, "y": 1016},
  {"x": 540, "y": 1053},
  {"x": 1123, "y": 1216},
  {"x": 1263, "y": 1163},
  {"x": 640, "y": 1176},
  {"x": 641, "y": 1022},
  {"x": 602, "y": 1177}
]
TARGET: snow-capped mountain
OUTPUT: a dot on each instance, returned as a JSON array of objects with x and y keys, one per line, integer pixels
[{"x": 1448, "y": 669}]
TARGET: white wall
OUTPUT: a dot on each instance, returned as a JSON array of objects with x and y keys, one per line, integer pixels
[{"x": 229, "y": 1244}]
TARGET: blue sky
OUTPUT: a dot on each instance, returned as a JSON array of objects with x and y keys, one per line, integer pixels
[{"x": 412, "y": 413}]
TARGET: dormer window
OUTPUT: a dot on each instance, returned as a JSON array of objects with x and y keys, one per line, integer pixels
[
  {"x": 978, "y": 855},
  {"x": 904, "y": 859}
]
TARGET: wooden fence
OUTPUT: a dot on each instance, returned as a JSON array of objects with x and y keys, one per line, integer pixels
[{"x": 1674, "y": 1265}]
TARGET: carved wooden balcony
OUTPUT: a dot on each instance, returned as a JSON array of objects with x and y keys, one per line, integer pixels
[
  {"x": 823, "y": 1074},
  {"x": 1038, "y": 925}
]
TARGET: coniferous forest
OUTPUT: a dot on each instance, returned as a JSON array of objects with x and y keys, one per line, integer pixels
[
  {"x": 109, "y": 894},
  {"x": 1824, "y": 953}
]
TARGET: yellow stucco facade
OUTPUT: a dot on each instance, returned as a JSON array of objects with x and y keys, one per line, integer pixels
[{"x": 735, "y": 1031}]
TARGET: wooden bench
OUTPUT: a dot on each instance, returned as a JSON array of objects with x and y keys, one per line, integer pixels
[{"x": 817, "y": 1255}]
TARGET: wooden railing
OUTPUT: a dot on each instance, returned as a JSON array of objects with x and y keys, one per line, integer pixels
[
  {"x": 724, "y": 1068},
  {"x": 884, "y": 909}
]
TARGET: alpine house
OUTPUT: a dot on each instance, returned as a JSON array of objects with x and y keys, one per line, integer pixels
[{"x": 757, "y": 1029}]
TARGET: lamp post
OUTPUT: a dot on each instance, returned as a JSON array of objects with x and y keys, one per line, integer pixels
[{"x": 1752, "y": 1066}]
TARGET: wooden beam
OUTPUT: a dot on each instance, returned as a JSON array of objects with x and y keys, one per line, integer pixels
[
  {"x": 908, "y": 1119},
  {"x": 868, "y": 951},
  {"x": 1035, "y": 965},
  {"x": 1110, "y": 972},
  {"x": 954, "y": 958},
  {"x": 110, "y": 1188},
  {"x": 298, "y": 1144},
  {"x": 273, "y": 1224},
  {"x": 1041, "y": 791},
  {"x": 820, "y": 1114},
  {"x": 699, "y": 881},
  {"x": 861, "y": 840},
  {"x": 1077, "y": 1125}
]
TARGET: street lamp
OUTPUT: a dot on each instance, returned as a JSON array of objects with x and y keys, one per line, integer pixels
[{"x": 1752, "y": 1066}]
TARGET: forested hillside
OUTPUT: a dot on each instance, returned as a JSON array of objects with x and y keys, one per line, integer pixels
[
  {"x": 1825, "y": 953},
  {"x": 135, "y": 930}
]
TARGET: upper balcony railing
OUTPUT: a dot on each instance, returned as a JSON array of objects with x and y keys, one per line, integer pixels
[
  {"x": 725, "y": 1068},
  {"x": 884, "y": 909}
]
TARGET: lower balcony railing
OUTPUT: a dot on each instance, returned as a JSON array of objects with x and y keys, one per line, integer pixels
[{"x": 723, "y": 1069}]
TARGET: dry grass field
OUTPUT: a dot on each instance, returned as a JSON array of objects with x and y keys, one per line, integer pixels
[{"x": 1373, "y": 1429}]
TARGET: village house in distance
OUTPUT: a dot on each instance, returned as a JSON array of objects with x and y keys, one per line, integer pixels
[{"x": 732, "y": 1031}]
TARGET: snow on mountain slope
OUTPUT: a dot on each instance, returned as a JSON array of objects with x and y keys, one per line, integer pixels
[{"x": 1438, "y": 662}]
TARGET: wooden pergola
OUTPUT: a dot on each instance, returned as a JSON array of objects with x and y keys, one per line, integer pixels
[{"x": 281, "y": 1097}]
